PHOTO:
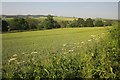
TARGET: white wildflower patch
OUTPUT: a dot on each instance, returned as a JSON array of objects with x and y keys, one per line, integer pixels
[
  {"x": 64, "y": 53},
  {"x": 14, "y": 55},
  {"x": 89, "y": 40},
  {"x": 18, "y": 62},
  {"x": 82, "y": 42},
  {"x": 71, "y": 50},
  {"x": 12, "y": 59},
  {"x": 23, "y": 53},
  {"x": 92, "y": 35},
  {"x": 33, "y": 52},
  {"x": 64, "y": 45}
]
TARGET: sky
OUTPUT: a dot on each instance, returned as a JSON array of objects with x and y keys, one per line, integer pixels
[
  {"x": 60, "y": 0},
  {"x": 68, "y": 9}
]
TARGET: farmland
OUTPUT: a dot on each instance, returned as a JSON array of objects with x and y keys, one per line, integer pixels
[
  {"x": 17, "y": 43},
  {"x": 58, "y": 49},
  {"x": 60, "y": 41},
  {"x": 42, "y": 48}
]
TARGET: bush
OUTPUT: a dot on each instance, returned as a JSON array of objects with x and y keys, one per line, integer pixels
[
  {"x": 18, "y": 24},
  {"x": 32, "y": 23},
  {"x": 99, "y": 23},
  {"x": 4, "y": 25}
]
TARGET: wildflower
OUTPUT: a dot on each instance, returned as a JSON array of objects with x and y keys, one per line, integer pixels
[
  {"x": 18, "y": 62},
  {"x": 64, "y": 53},
  {"x": 12, "y": 59},
  {"x": 33, "y": 52},
  {"x": 113, "y": 48},
  {"x": 89, "y": 40},
  {"x": 71, "y": 50},
  {"x": 15, "y": 55},
  {"x": 64, "y": 45},
  {"x": 93, "y": 35},
  {"x": 23, "y": 61},
  {"x": 92, "y": 54},
  {"x": 82, "y": 42},
  {"x": 23, "y": 53}
]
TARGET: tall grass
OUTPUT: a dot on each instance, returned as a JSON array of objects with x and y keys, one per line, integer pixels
[{"x": 96, "y": 58}]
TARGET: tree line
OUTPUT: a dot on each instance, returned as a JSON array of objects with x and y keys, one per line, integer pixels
[{"x": 21, "y": 24}]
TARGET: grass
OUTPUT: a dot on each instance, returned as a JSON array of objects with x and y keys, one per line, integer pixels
[
  {"x": 47, "y": 40},
  {"x": 60, "y": 53}
]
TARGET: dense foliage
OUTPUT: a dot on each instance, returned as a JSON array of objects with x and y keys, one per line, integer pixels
[
  {"x": 4, "y": 25},
  {"x": 27, "y": 23},
  {"x": 99, "y": 23},
  {"x": 50, "y": 23}
]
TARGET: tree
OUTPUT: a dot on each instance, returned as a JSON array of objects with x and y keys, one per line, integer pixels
[
  {"x": 4, "y": 25},
  {"x": 32, "y": 23},
  {"x": 99, "y": 23},
  {"x": 19, "y": 24},
  {"x": 74, "y": 23},
  {"x": 50, "y": 23},
  {"x": 89, "y": 23},
  {"x": 64, "y": 24},
  {"x": 56, "y": 25},
  {"x": 81, "y": 22},
  {"x": 107, "y": 23}
]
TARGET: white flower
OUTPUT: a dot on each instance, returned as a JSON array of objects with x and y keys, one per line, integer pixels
[
  {"x": 23, "y": 61},
  {"x": 33, "y": 52},
  {"x": 15, "y": 55},
  {"x": 12, "y": 59},
  {"x": 64, "y": 45},
  {"x": 23, "y": 53},
  {"x": 82, "y": 42},
  {"x": 18, "y": 62},
  {"x": 64, "y": 53},
  {"x": 89, "y": 40},
  {"x": 93, "y": 35},
  {"x": 71, "y": 50}
]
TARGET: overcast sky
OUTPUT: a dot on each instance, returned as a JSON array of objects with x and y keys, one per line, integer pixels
[{"x": 77, "y": 9}]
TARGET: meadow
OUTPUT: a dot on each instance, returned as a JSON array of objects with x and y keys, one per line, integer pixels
[
  {"x": 63, "y": 53},
  {"x": 46, "y": 40}
]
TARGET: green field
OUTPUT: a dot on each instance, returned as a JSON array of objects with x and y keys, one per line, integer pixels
[
  {"x": 45, "y": 41},
  {"x": 59, "y": 53}
]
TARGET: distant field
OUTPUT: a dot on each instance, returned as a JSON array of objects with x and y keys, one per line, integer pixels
[
  {"x": 45, "y": 41},
  {"x": 56, "y": 18}
]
